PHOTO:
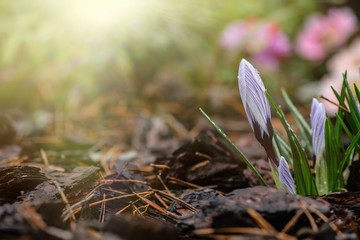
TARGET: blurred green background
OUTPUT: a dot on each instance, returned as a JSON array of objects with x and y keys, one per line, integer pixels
[{"x": 82, "y": 56}]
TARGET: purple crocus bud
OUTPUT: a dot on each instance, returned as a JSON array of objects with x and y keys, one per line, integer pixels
[
  {"x": 285, "y": 178},
  {"x": 257, "y": 107},
  {"x": 317, "y": 119}
]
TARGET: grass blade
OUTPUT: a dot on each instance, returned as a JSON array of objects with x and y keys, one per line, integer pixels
[
  {"x": 357, "y": 92},
  {"x": 354, "y": 116},
  {"x": 332, "y": 156},
  {"x": 282, "y": 148},
  {"x": 346, "y": 160},
  {"x": 304, "y": 127}
]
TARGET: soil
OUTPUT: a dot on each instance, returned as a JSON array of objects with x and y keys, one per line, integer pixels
[{"x": 165, "y": 188}]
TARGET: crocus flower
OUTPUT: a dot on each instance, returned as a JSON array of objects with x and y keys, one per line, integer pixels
[
  {"x": 257, "y": 108},
  {"x": 322, "y": 34},
  {"x": 317, "y": 119},
  {"x": 285, "y": 178}
]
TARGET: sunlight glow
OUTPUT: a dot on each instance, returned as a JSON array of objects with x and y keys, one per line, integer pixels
[{"x": 104, "y": 17}]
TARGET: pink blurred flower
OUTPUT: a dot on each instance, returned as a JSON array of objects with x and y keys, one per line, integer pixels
[
  {"x": 322, "y": 33},
  {"x": 234, "y": 34},
  {"x": 265, "y": 43},
  {"x": 276, "y": 46},
  {"x": 348, "y": 60}
]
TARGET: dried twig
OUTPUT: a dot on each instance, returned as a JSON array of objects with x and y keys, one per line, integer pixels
[
  {"x": 117, "y": 197},
  {"x": 178, "y": 200},
  {"x": 158, "y": 208},
  {"x": 160, "y": 166},
  {"x": 164, "y": 185},
  {"x": 65, "y": 200},
  {"x": 334, "y": 103},
  {"x": 44, "y": 157},
  {"x": 199, "y": 165},
  {"x": 161, "y": 200},
  {"x": 131, "y": 203},
  {"x": 207, "y": 157},
  {"x": 260, "y": 220},
  {"x": 314, "y": 227},
  {"x": 32, "y": 217},
  {"x": 102, "y": 210},
  {"x": 183, "y": 183},
  {"x": 123, "y": 180},
  {"x": 292, "y": 221},
  {"x": 326, "y": 220}
]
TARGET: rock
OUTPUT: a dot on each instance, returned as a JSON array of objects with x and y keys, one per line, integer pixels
[{"x": 230, "y": 210}]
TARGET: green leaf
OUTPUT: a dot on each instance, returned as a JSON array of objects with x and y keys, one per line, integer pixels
[
  {"x": 340, "y": 97},
  {"x": 302, "y": 124},
  {"x": 332, "y": 156},
  {"x": 357, "y": 92},
  {"x": 305, "y": 183},
  {"x": 321, "y": 175},
  {"x": 275, "y": 174},
  {"x": 346, "y": 161},
  {"x": 349, "y": 123},
  {"x": 354, "y": 116},
  {"x": 346, "y": 129},
  {"x": 282, "y": 148},
  {"x": 235, "y": 148}
]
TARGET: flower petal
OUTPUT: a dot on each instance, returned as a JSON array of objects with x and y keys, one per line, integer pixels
[
  {"x": 285, "y": 178},
  {"x": 317, "y": 119},
  {"x": 252, "y": 93}
]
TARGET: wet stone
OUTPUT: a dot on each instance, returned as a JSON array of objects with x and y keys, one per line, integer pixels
[
  {"x": 230, "y": 210},
  {"x": 74, "y": 184}
]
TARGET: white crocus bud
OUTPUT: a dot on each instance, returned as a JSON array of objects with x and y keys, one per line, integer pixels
[
  {"x": 317, "y": 120},
  {"x": 285, "y": 178},
  {"x": 257, "y": 107}
]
